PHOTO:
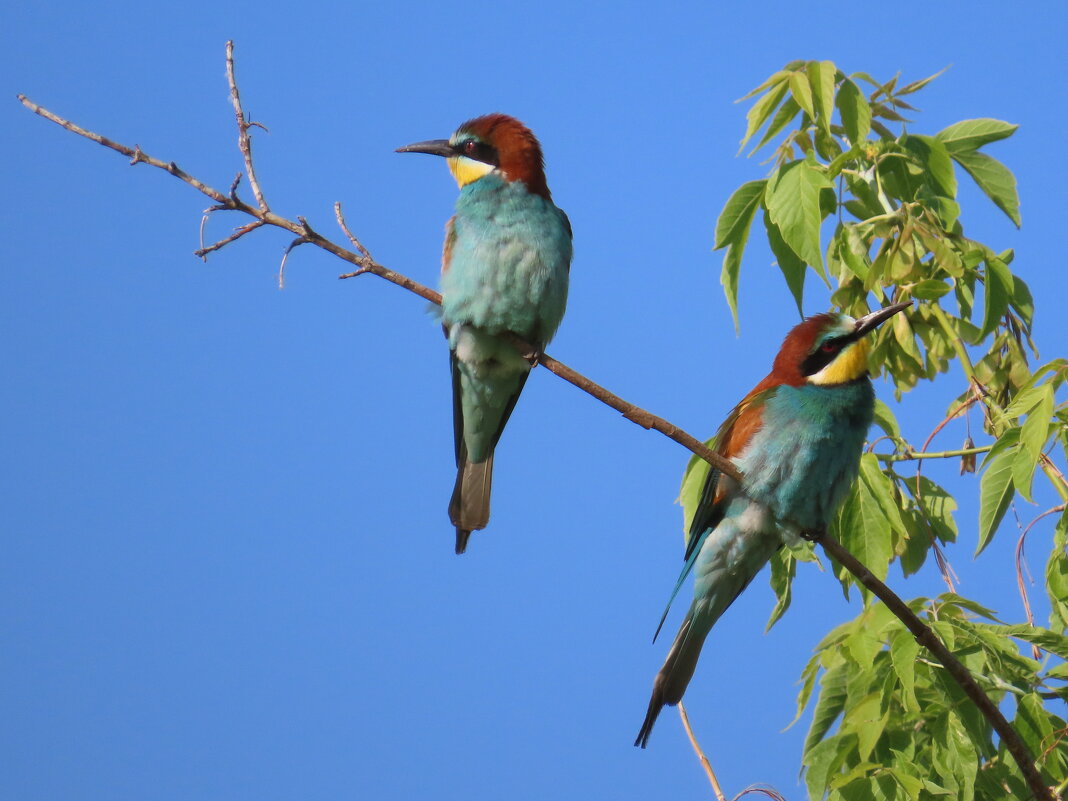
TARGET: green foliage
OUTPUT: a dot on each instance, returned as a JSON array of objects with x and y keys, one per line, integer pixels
[
  {"x": 889, "y": 721},
  {"x": 871, "y": 205}
]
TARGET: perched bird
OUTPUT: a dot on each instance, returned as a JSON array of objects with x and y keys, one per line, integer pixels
[
  {"x": 504, "y": 275},
  {"x": 797, "y": 439}
]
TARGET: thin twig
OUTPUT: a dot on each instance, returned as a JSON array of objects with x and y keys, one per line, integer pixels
[
  {"x": 136, "y": 154},
  {"x": 244, "y": 141},
  {"x": 237, "y": 234},
  {"x": 1020, "y": 564},
  {"x": 701, "y": 754},
  {"x": 909, "y": 456},
  {"x": 352, "y": 237},
  {"x": 300, "y": 240},
  {"x": 923, "y": 634}
]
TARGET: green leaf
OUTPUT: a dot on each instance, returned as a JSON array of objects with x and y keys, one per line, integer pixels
[
  {"x": 793, "y": 202},
  {"x": 969, "y": 135},
  {"x": 1022, "y": 300},
  {"x": 863, "y": 528},
  {"x": 775, "y": 78},
  {"x": 903, "y": 652},
  {"x": 930, "y": 289},
  {"x": 997, "y": 291},
  {"x": 994, "y": 178},
  {"x": 737, "y": 215},
  {"x": 935, "y": 157},
  {"x": 802, "y": 93},
  {"x": 885, "y": 419},
  {"x": 732, "y": 229},
  {"x": 728, "y": 277},
  {"x": 855, "y": 112},
  {"x": 829, "y": 705},
  {"x": 823, "y": 761},
  {"x": 783, "y": 570},
  {"x": 1048, "y": 640},
  {"x": 1032, "y": 722},
  {"x": 854, "y": 252},
  {"x": 1033, "y": 435},
  {"x": 787, "y": 111},
  {"x": 793, "y": 269},
  {"x": 915, "y": 86},
  {"x": 693, "y": 482},
  {"x": 821, "y": 81},
  {"x": 995, "y": 493},
  {"x": 865, "y": 718},
  {"x": 761, "y": 110}
]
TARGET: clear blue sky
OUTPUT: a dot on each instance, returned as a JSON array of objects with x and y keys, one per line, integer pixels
[{"x": 226, "y": 570}]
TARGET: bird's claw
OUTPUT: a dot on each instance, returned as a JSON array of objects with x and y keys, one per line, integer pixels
[
  {"x": 811, "y": 535},
  {"x": 533, "y": 356}
]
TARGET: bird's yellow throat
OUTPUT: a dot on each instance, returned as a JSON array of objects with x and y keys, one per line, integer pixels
[
  {"x": 466, "y": 170},
  {"x": 850, "y": 364}
]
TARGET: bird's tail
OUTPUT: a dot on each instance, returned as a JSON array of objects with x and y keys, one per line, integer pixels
[
  {"x": 469, "y": 508},
  {"x": 729, "y": 559},
  {"x": 674, "y": 676}
]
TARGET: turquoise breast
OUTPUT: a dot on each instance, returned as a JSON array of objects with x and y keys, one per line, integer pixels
[{"x": 802, "y": 461}]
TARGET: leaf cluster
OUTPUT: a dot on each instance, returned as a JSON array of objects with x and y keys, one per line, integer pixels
[{"x": 890, "y": 723}]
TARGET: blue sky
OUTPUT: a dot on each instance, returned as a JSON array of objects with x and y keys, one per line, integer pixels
[{"x": 227, "y": 570}]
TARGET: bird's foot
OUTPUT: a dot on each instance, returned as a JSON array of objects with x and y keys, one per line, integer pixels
[
  {"x": 533, "y": 356},
  {"x": 812, "y": 534}
]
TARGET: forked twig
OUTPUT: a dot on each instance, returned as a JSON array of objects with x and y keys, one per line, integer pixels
[{"x": 244, "y": 141}]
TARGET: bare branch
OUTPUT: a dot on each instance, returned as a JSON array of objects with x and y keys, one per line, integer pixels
[
  {"x": 237, "y": 234},
  {"x": 244, "y": 141},
  {"x": 300, "y": 240},
  {"x": 352, "y": 237},
  {"x": 701, "y": 754},
  {"x": 135, "y": 153}
]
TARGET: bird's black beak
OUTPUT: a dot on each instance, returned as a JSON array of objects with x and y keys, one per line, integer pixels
[
  {"x": 877, "y": 317},
  {"x": 435, "y": 147}
]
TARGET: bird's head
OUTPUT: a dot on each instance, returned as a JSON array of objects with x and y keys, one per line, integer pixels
[
  {"x": 494, "y": 143},
  {"x": 829, "y": 349}
]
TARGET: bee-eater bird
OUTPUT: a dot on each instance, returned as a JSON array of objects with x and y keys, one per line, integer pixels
[
  {"x": 797, "y": 439},
  {"x": 504, "y": 275}
]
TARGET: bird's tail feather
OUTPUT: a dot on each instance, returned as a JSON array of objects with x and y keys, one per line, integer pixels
[
  {"x": 469, "y": 508},
  {"x": 674, "y": 676}
]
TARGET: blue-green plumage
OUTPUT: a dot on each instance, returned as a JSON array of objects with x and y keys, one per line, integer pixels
[
  {"x": 797, "y": 439},
  {"x": 504, "y": 277}
]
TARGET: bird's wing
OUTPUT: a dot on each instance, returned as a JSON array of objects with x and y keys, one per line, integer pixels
[
  {"x": 450, "y": 239},
  {"x": 458, "y": 408},
  {"x": 733, "y": 435}
]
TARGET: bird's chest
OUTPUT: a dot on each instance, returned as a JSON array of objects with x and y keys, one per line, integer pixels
[
  {"x": 803, "y": 460},
  {"x": 508, "y": 265}
]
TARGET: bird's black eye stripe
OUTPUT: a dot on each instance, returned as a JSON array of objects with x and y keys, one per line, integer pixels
[
  {"x": 479, "y": 151},
  {"x": 824, "y": 354}
]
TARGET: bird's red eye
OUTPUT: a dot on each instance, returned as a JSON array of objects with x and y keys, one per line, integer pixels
[
  {"x": 828, "y": 347},
  {"x": 469, "y": 147}
]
